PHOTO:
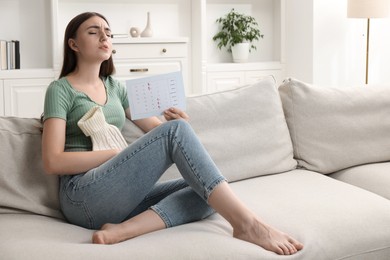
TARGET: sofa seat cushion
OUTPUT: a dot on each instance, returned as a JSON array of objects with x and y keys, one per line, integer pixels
[
  {"x": 337, "y": 128},
  {"x": 333, "y": 219},
  {"x": 373, "y": 177},
  {"x": 244, "y": 130},
  {"x": 23, "y": 184}
]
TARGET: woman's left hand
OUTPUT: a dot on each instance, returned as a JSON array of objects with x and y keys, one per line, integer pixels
[{"x": 175, "y": 113}]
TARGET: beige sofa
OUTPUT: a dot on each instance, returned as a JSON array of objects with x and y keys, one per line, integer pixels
[{"x": 312, "y": 161}]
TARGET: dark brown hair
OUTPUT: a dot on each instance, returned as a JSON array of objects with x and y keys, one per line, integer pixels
[{"x": 70, "y": 59}]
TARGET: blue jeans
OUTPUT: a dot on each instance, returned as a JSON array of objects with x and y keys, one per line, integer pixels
[{"x": 127, "y": 184}]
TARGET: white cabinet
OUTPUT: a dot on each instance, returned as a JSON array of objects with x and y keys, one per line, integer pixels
[
  {"x": 23, "y": 96},
  {"x": 22, "y": 91},
  {"x": 191, "y": 19},
  {"x": 30, "y": 23},
  {"x": 213, "y": 69},
  {"x": 183, "y": 28},
  {"x": 219, "y": 81},
  {"x": 1, "y": 98},
  {"x": 170, "y": 19},
  {"x": 230, "y": 75},
  {"x": 134, "y": 58}
]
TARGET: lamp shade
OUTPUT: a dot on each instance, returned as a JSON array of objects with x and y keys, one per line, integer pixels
[{"x": 368, "y": 8}]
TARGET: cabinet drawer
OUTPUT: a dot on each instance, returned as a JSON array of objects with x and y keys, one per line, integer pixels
[
  {"x": 150, "y": 50},
  {"x": 144, "y": 69},
  {"x": 1, "y": 98}
]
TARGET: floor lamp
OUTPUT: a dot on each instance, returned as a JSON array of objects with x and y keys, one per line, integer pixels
[{"x": 368, "y": 9}]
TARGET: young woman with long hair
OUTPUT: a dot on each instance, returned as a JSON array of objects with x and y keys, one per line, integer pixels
[{"x": 116, "y": 190}]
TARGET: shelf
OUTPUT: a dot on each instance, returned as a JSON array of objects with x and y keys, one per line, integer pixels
[
  {"x": 26, "y": 73},
  {"x": 30, "y": 23},
  {"x": 146, "y": 40},
  {"x": 39, "y": 25},
  {"x": 215, "y": 67},
  {"x": 169, "y": 19}
]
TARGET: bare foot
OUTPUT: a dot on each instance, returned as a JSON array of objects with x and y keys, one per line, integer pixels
[
  {"x": 108, "y": 234},
  {"x": 147, "y": 221},
  {"x": 268, "y": 238}
]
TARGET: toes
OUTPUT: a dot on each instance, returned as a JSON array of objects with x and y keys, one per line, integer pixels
[
  {"x": 278, "y": 249},
  {"x": 286, "y": 250},
  {"x": 292, "y": 249},
  {"x": 296, "y": 244},
  {"x": 288, "y": 247}
]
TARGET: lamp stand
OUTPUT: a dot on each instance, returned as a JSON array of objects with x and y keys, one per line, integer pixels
[{"x": 368, "y": 48}]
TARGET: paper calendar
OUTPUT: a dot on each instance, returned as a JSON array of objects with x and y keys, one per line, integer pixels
[{"x": 151, "y": 96}]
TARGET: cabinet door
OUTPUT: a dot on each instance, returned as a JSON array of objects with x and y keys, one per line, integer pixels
[
  {"x": 25, "y": 97},
  {"x": 220, "y": 81},
  {"x": 135, "y": 60},
  {"x": 1, "y": 98},
  {"x": 134, "y": 70},
  {"x": 253, "y": 76}
]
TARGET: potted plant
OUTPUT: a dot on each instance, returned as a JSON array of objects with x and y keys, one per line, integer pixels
[{"x": 237, "y": 34}]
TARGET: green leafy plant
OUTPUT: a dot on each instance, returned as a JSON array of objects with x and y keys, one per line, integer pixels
[{"x": 237, "y": 28}]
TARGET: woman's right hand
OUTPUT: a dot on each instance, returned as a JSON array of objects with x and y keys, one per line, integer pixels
[{"x": 175, "y": 113}]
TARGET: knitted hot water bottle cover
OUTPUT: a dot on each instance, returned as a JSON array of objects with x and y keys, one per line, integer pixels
[{"x": 104, "y": 136}]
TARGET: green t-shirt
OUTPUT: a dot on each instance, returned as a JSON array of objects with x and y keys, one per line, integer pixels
[{"x": 65, "y": 102}]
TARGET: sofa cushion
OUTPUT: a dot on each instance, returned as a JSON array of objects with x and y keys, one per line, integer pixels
[
  {"x": 325, "y": 214},
  {"x": 244, "y": 130},
  {"x": 23, "y": 184},
  {"x": 336, "y": 128},
  {"x": 374, "y": 177}
]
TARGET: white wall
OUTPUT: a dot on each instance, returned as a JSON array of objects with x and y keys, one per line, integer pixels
[
  {"x": 299, "y": 39},
  {"x": 325, "y": 47}
]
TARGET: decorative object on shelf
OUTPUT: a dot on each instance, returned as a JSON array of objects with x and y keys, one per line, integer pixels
[
  {"x": 147, "y": 32},
  {"x": 237, "y": 28},
  {"x": 368, "y": 9},
  {"x": 135, "y": 32},
  {"x": 240, "y": 52}
]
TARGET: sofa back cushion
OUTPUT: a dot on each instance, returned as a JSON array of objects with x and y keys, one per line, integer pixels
[
  {"x": 244, "y": 130},
  {"x": 24, "y": 187},
  {"x": 336, "y": 128}
]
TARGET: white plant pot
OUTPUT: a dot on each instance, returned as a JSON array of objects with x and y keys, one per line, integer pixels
[{"x": 240, "y": 52}]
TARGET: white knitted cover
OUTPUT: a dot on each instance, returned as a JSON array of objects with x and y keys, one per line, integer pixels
[{"x": 104, "y": 136}]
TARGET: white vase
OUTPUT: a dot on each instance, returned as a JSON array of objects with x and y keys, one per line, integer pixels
[
  {"x": 147, "y": 32},
  {"x": 240, "y": 52}
]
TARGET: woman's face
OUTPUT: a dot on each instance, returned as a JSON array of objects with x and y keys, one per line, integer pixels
[{"x": 93, "y": 40}]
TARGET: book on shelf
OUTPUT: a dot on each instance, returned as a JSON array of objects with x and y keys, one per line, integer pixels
[
  {"x": 9, "y": 55},
  {"x": 3, "y": 55},
  {"x": 17, "y": 54}
]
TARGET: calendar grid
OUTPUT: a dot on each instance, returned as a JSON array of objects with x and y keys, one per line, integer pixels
[{"x": 150, "y": 96}]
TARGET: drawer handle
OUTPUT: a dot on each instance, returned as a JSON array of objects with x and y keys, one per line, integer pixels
[
  {"x": 164, "y": 50},
  {"x": 113, "y": 51},
  {"x": 139, "y": 70}
]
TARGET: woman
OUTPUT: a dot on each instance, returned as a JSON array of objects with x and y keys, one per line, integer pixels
[{"x": 116, "y": 190}]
